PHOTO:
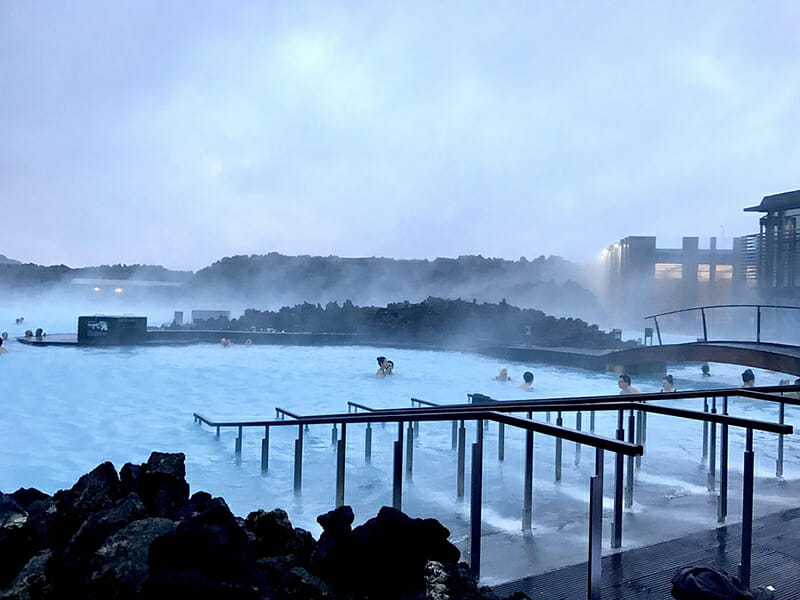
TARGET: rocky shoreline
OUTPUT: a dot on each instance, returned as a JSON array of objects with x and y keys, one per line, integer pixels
[{"x": 138, "y": 534}]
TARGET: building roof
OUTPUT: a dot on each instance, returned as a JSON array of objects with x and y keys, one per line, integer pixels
[{"x": 775, "y": 202}]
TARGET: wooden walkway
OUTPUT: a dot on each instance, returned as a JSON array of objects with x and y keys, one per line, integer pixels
[{"x": 645, "y": 573}]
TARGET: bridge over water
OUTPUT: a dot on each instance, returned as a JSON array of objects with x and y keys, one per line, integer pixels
[{"x": 756, "y": 335}]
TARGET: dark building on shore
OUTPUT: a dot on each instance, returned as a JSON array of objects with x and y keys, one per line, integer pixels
[
  {"x": 772, "y": 256},
  {"x": 763, "y": 267}
]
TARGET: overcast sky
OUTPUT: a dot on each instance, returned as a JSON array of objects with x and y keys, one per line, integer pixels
[{"x": 181, "y": 132}]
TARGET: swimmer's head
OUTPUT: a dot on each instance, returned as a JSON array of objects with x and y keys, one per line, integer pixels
[
  {"x": 748, "y": 376},
  {"x": 528, "y": 377},
  {"x": 381, "y": 360},
  {"x": 668, "y": 379},
  {"x": 4, "y": 335},
  {"x": 624, "y": 380},
  {"x": 388, "y": 366}
]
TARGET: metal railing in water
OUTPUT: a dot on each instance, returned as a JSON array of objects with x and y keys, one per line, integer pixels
[
  {"x": 702, "y": 309},
  {"x": 633, "y": 447}
]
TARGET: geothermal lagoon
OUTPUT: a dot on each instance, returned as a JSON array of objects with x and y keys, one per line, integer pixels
[{"x": 65, "y": 410}]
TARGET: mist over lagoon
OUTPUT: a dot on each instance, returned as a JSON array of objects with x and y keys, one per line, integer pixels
[{"x": 437, "y": 184}]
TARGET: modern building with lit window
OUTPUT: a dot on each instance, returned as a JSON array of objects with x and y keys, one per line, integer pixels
[
  {"x": 772, "y": 256},
  {"x": 762, "y": 267}
]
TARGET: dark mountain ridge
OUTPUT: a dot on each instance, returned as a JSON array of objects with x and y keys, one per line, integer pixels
[{"x": 551, "y": 284}]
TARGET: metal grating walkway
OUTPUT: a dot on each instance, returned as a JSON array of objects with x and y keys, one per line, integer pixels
[{"x": 645, "y": 573}]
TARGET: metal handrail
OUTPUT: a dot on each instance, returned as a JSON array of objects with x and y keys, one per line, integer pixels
[
  {"x": 470, "y": 412},
  {"x": 587, "y": 439},
  {"x": 498, "y": 413},
  {"x": 423, "y": 402},
  {"x": 281, "y": 411},
  {"x": 357, "y": 406},
  {"x": 586, "y": 402},
  {"x": 702, "y": 310},
  {"x": 674, "y": 312}
]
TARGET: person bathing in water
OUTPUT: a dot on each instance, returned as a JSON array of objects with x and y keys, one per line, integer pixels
[
  {"x": 748, "y": 378},
  {"x": 2, "y": 350},
  {"x": 667, "y": 384},
  {"x": 502, "y": 374},
  {"x": 527, "y": 384},
  {"x": 625, "y": 386},
  {"x": 385, "y": 367}
]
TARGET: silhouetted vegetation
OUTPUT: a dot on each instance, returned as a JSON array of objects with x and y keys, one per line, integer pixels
[
  {"x": 434, "y": 320},
  {"x": 548, "y": 283}
]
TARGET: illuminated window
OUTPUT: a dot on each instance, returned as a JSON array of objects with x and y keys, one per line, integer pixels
[
  {"x": 669, "y": 271},
  {"x": 724, "y": 273},
  {"x": 703, "y": 272},
  {"x": 751, "y": 276}
]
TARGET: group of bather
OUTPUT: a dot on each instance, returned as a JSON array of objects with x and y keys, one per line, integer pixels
[
  {"x": 527, "y": 378},
  {"x": 28, "y": 334},
  {"x": 385, "y": 367},
  {"x": 667, "y": 381}
]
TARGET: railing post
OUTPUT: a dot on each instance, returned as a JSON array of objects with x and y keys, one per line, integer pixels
[
  {"x": 616, "y": 526},
  {"x": 712, "y": 450},
  {"x": 779, "y": 462},
  {"x": 644, "y": 429},
  {"x": 238, "y": 445},
  {"x": 410, "y": 450},
  {"x": 501, "y": 441},
  {"x": 658, "y": 330},
  {"x": 596, "y": 526},
  {"x": 758, "y": 323},
  {"x": 722, "y": 508},
  {"x": 591, "y": 421},
  {"x": 705, "y": 430},
  {"x": 548, "y": 416},
  {"x": 705, "y": 329},
  {"x": 559, "y": 422},
  {"x": 475, "y": 503},
  {"x": 747, "y": 512},
  {"x": 639, "y": 435},
  {"x": 217, "y": 430},
  {"x": 462, "y": 444},
  {"x": 298, "y": 461},
  {"x": 454, "y": 436},
  {"x": 341, "y": 446},
  {"x": 629, "y": 480},
  {"x": 265, "y": 450},
  {"x": 527, "y": 505},
  {"x": 334, "y": 435},
  {"x": 397, "y": 472},
  {"x": 577, "y": 444},
  {"x": 368, "y": 443}
]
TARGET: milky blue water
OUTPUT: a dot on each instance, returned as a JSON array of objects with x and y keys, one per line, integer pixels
[{"x": 65, "y": 410}]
